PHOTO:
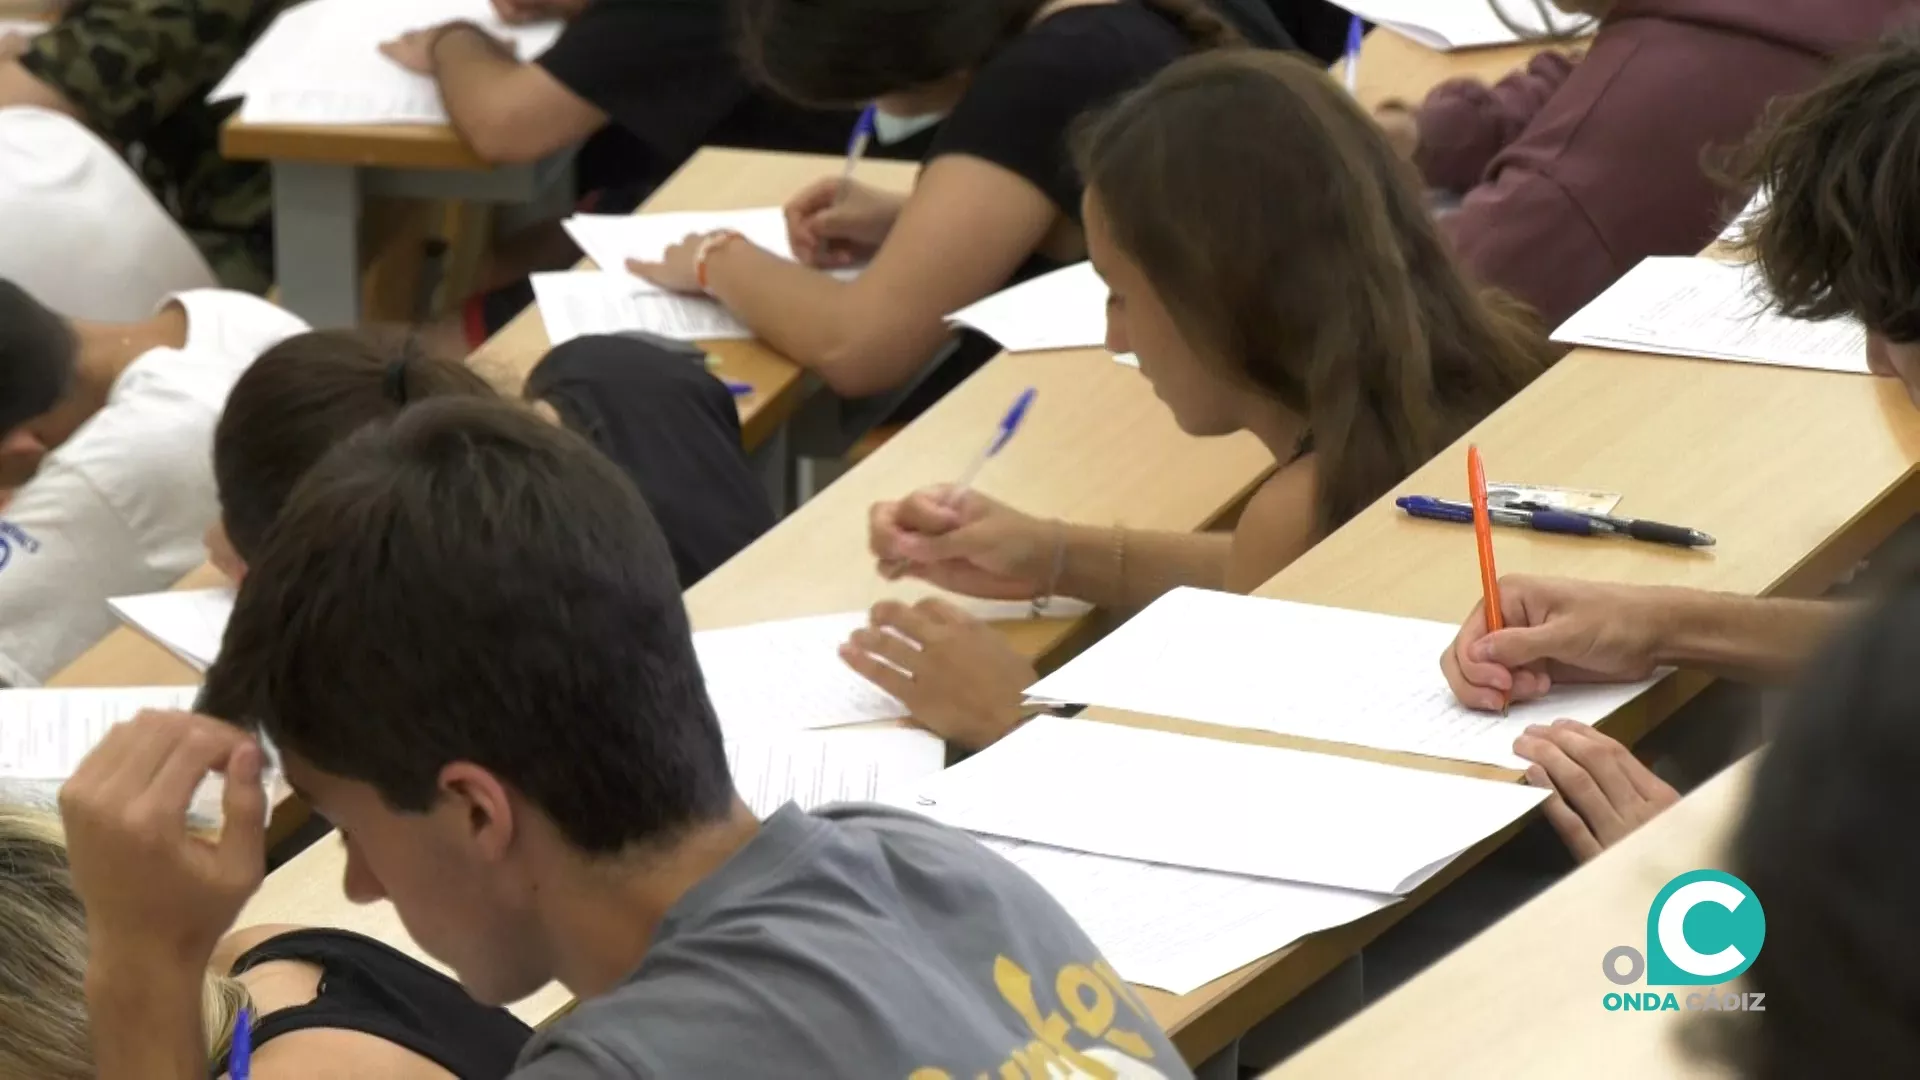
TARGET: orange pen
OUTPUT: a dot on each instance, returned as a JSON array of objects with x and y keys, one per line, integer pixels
[{"x": 1483, "y": 537}]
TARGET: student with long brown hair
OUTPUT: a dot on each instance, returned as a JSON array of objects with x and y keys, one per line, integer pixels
[{"x": 1274, "y": 269}]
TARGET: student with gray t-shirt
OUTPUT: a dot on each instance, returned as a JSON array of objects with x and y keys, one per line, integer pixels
[{"x": 465, "y": 635}]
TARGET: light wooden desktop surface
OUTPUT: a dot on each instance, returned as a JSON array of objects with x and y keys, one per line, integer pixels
[
  {"x": 1797, "y": 473},
  {"x": 1523, "y": 1000},
  {"x": 714, "y": 179}
]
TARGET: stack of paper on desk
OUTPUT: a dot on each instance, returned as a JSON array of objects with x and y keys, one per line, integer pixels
[
  {"x": 1179, "y": 929},
  {"x": 1066, "y": 309},
  {"x": 320, "y": 62},
  {"x": 187, "y": 623},
  {"x": 1209, "y": 804},
  {"x": 787, "y": 676},
  {"x": 1446, "y": 25},
  {"x": 1313, "y": 672},
  {"x": 1714, "y": 311}
]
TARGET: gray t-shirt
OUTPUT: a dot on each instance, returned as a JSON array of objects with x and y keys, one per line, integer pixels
[{"x": 861, "y": 941}]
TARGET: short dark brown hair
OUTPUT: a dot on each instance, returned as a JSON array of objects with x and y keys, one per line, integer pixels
[
  {"x": 1293, "y": 249},
  {"x": 38, "y": 357},
  {"x": 302, "y": 398},
  {"x": 468, "y": 583},
  {"x": 1840, "y": 166}
]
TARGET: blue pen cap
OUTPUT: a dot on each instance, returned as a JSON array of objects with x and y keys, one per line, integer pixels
[
  {"x": 862, "y": 128},
  {"x": 1356, "y": 34},
  {"x": 1011, "y": 422}
]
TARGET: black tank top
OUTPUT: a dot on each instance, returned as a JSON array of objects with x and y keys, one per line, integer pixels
[{"x": 369, "y": 987}]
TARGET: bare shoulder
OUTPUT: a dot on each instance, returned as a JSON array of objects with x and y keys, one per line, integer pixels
[
  {"x": 1277, "y": 526},
  {"x": 334, "y": 1054}
]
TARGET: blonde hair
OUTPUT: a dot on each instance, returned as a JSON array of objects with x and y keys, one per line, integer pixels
[{"x": 43, "y": 960}]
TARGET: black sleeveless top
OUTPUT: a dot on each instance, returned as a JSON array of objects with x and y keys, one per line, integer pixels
[{"x": 367, "y": 986}]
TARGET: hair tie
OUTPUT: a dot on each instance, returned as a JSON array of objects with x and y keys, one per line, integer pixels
[{"x": 396, "y": 381}]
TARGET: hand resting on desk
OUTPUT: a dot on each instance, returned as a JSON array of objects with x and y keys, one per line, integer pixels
[
  {"x": 959, "y": 676},
  {"x": 1601, "y": 792}
]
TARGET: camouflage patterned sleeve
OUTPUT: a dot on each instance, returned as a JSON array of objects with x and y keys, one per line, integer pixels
[{"x": 128, "y": 64}]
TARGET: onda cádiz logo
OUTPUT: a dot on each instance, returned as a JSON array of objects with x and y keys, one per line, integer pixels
[{"x": 1705, "y": 927}]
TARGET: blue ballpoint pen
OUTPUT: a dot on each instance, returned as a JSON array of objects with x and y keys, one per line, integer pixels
[
  {"x": 240, "y": 1054},
  {"x": 1009, "y": 424},
  {"x": 856, "y": 149},
  {"x": 1548, "y": 521},
  {"x": 1356, "y": 35}
]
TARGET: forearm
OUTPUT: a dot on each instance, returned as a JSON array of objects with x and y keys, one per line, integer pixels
[
  {"x": 143, "y": 1013},
  {"x": 476, "y": 76},
  {"x": 816, "y": 320},
  {"x": 1124, "y": 569},
  {"x": 1744, "y": 637}
]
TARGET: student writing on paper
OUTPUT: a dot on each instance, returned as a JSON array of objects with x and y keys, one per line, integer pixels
[
  {"x": 315, "y": 995},
  {"x": 644, "y": 84},
  {"x": 1293, "y": 287},
  {"x": 1577, "y": 168},
  {"x": 1841, "y": 236},
  {"x": 542, "y": 791},
  {"x": 107, "y": 428},
  {"x": 138, "y": 72},
  {"x": 670, "y": 426},
  {"x": 998, "y": 198}
]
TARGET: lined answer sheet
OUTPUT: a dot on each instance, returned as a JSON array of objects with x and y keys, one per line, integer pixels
[
  {"x": 820, "y": 767},
  {"x": 787, "y": 676},
  {"x": 1714, "y": 311},
  {"x": 45, "y": 733},
  {"x": 1209, "y": 804},
  {"x": 1314, "y": 672},
  {"x": 1446, "y": 25},
  {"x": 1065, "y": 309},
  {"x": 1177, "y": 929},
  {"x": 187, "y": 623},
  {"x": 576, "y": 303}
]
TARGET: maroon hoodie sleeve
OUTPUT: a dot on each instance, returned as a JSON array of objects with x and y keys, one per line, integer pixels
[{"x": 1465, "y": 122}]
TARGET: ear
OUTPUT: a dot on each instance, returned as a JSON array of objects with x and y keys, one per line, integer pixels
[{"x": 483, "y": 807}]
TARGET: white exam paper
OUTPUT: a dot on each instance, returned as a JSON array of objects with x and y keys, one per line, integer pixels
[
  {"x": 1446, "y": 25},
  {"x": 1313, "y": 672},
  {"x": 611, "y": 239},
  {"x": 1065, "y": 309},
  {"x": 45, "y": 732},
  {"x": 576, "y": 303},
  {"x": 1714, "y": 311},
  {"x": 1210, "y": 804},
  {"x": 187, "y": 623},
  {"x": 787, "y": 675},
  {"x": 1178, "y": 929},
  {"x": 815, "y": 768}
]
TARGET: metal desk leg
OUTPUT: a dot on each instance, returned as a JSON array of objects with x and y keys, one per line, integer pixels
[
  {"x": 1224, "y": 1065},
  {"x": 316, "y": 242},
  {"x": 773, "y": 460}
]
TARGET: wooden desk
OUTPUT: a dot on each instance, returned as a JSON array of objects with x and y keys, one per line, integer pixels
[
  {"x": 1524, "y": 999},
  {"x": 1798, "y": 473},
  {"x": 714, "y": 179},
  {"x": 321, "y": 176}
]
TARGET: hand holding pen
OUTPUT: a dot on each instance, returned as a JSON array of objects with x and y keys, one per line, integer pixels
[
  {"x": 839, "y": 222},
  {"x": 963, "y": 541}
]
